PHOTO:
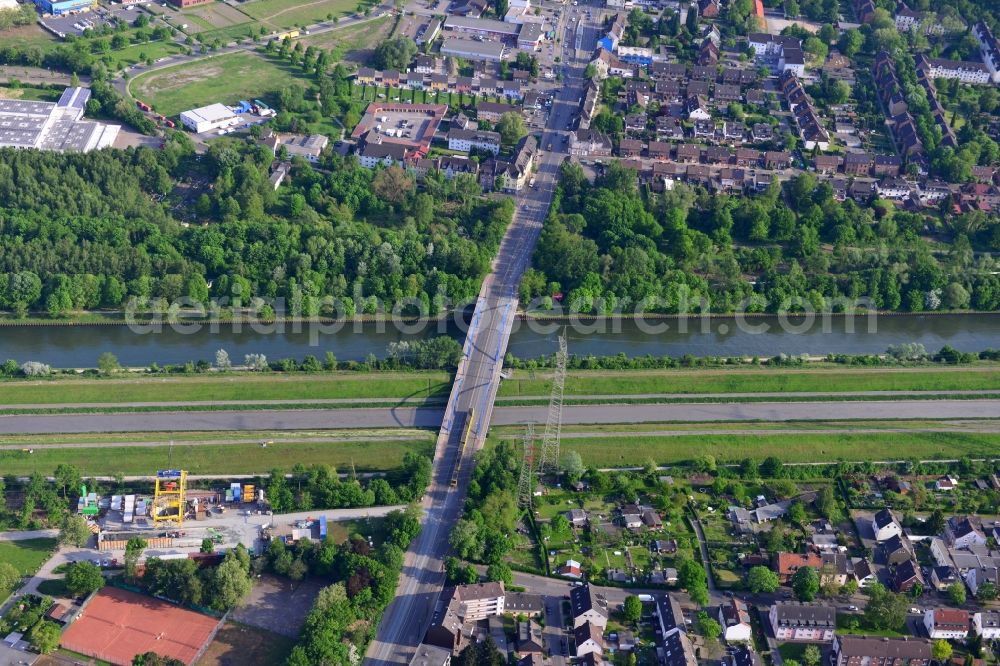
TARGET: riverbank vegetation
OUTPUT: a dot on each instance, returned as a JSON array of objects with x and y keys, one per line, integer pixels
[
  {"x": 103, "y": 232},
  {"x": 613, "y": 246},
  {"x": 903, "y": 368}
]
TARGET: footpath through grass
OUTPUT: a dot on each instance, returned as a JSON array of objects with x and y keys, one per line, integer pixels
[
  {"x": 757, "y": 380},
  {"x": 244, "y": 458},
  {"x": 217, "y": 387}
]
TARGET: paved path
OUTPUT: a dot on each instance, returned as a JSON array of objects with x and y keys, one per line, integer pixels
[
  {"x": 429, "y": 417},
  {"x": 607, "y": 398},
  {"x": 24, "y": 535}
]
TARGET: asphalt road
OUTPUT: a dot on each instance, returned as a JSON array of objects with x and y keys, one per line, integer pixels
[
  {"x": 474, "y": 390},
  {"x": 471, "y": 393}
]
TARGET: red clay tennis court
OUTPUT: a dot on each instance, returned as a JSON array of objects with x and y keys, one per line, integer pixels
[{"x": 117, "y": 625}]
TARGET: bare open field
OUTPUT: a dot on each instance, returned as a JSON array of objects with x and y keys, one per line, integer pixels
[{"x": 234, "y": 642}]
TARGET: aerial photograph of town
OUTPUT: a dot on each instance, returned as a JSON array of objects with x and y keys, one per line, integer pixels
[{"x": 500, "y": 332}]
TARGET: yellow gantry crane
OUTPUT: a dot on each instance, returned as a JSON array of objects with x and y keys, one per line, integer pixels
[{"x": 169, "y": 497}]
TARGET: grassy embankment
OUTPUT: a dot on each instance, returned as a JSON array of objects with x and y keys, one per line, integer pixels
[{"x": 242, "y": 458}]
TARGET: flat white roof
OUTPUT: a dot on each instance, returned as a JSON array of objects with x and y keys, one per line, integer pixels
[{"x": 211, "y": 113}]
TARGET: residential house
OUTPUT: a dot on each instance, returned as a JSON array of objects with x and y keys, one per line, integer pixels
[
  {"x": 376, "y": 153},
  {"x": 887, "y": 165},
  {"x": 658, "y": 150},
  {"x": 748, "y": 157},
  {"x": 630, "y": 147},
  {"x": 946, "y": 483},
  {"x": 576, "y": 517},
  {"x": 761, "y": 133},
  {"x": 907, "y": 576},
  {"x": 688, "y": 152},
  {"x": 857, "y": 164},
  {"x": 896, "y": 550},
  {"x": 467, "y": 140},
  {"x": 942, "y": 577},
  {"x": 986, "y": 625},
  {"x": 827, "y": 164},
  {"x": 947, "y": 623},
  {"x": 788, "y": 563},
  {"x": 589, "y": 142},
  {"x": 462, "y": 606},
  {"x": 529, "y": 637},
  {"x": 734, "y": 616},
  {"x": 431, "y": 655},
  {"x": 964, "y": 532},
  {"x": 884, "y": 525},
  {"x": 673, "y": 644},
  {"x": 570, "y": 570},
  {"x": 863, "y": 572},
  {"x": 876, "y": 651},
  {"x": 696, "y": 108},
  {"x": 652, "y": 519},
  {"x": 976, "y": 576},
  {"x": 524, "y": 603},
  {"x": 588, "y": 606},
  {"x": 491, "y": 111},
  {"x": 775, "y": 159},
  {"x": 632, "y": 521},
  {"x": 793, "y": 621},
  {"x": 589, "y": 638}
]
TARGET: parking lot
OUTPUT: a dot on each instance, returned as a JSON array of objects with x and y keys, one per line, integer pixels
[{"x": 77, "y": 23}]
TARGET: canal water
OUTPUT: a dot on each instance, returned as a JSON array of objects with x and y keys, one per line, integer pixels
[{"x": 79, "y": 346}]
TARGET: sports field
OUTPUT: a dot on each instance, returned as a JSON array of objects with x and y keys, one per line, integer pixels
[
  {"x": 117, "y": 625},
  {"x": 226, "y": 79}
]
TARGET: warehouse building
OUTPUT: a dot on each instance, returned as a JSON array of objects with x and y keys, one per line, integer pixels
[
  {"x": 53, "y": 126},
  {"x": 59, "y": 7},
  {"x": 483, "y": 28},
  {"x": 473, "y": 50},
  {"x": 208, "y": 118}
]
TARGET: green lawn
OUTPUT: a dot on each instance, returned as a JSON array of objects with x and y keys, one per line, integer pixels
[
  {"x": 27, "y": 556},
  {"x": 30, "y": 93},
  {"x": 226, "y": 78},
  {"x": 280, "y": 14},
  {"x": 615, "y": 451},
  {"x": 246, "y": 458},
  {"x": 757, "y": 380},
  {"x": 242, "y": 386},
  {"x": 352, "y": 38},
  {"x": 135, "y": 53}
]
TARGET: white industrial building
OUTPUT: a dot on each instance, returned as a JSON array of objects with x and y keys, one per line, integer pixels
[
  {"x": 53, "y": 126},
  {"x": 208, "y": 118}
]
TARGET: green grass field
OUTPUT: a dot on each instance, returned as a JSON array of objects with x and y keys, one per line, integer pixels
[
  {"x": 757, "y": 380},
  {"x": 244, "y": 458},
  {"x": 135, "y": 53},
  {"x": 280, "y": 14},
  {"x": 26, "y": 556},
  {"x": 352, "y": 38},
  {"x": 29, "y": 36},
  {"x": 30, "y": 93},
  {"x": 227, "y": 387},
  {"x": 226, "y": 78},
  {"x": 635, "y": 449}
]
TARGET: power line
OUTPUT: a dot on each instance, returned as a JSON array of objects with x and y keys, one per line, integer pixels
[{"x": 553, "y": 423}]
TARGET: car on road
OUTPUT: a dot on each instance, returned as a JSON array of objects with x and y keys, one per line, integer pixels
[
  {"x": 852, "y": 608},
  {"x": 915, "y": 610}
]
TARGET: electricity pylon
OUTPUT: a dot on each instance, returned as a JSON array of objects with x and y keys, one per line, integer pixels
[{"x": 553, "y": 424}]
